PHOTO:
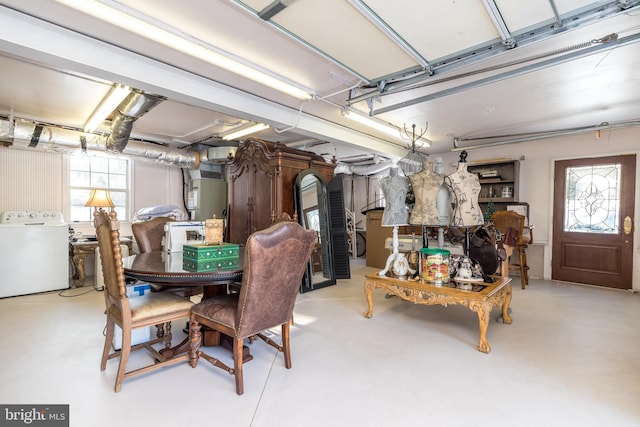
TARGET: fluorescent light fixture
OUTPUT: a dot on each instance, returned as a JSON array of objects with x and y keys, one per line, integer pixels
[
  {"x": 244, "y": 132},
  {"x": 384, "y": 127},
  {"x": 171, "y": 38},
  {"x": 373, "y": 123},
  {"x": 106, "y": 107}
]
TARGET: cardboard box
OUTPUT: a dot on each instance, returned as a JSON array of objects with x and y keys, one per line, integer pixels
[
  {"x": 138, "y": 335},
  {"x": 138, "y": 289}
]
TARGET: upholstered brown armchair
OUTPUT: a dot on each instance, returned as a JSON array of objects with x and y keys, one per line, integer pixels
[
  {"x": 149, "y": 234},
  {"x": 274, "y": 264},
  {"x": 142, "y": 311}
]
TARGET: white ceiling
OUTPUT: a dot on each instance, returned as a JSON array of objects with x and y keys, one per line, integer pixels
[{"x": 460, "y": 76}]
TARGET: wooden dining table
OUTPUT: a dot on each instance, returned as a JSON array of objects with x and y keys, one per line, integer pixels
[{"x": 166, "y": 269}]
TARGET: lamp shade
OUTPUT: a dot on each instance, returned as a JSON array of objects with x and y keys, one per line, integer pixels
[{"x": 100, "y": 198}]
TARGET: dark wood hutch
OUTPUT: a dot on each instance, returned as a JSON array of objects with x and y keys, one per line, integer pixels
[{"x": 262, "y": 177}]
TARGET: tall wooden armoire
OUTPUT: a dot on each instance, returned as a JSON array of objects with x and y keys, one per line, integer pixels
[{"x": 262, "y": 177}]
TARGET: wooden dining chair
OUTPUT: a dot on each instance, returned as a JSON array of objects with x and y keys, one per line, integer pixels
[
  {"x": 274, "y": 264},
  {"x": 131, "y": 313},
  {"x": 503, "y": 220}
]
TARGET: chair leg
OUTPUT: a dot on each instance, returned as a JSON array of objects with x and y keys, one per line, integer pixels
[
  {"x": 285, "y": 345},
  {"x": 160, "y": 330},
  {"x": 108, "y": 339},
  {"x": 237, "y": 364},
  {"x": 524, "y": 268},
  {"x": 167, "y": 335},
  {"x": 124, "y": 357},
  {"x": 195, "y": 338}
]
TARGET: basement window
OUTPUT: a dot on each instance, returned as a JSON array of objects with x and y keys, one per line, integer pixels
[{"x": 89, "y": 172}]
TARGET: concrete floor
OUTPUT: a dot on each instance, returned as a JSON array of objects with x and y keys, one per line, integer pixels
[{"x": 568, "y": 359}]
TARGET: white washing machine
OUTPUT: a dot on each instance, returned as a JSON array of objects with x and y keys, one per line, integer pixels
[{"x": 34, "y": 252}]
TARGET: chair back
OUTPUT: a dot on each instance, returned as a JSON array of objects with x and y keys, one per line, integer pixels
[
  {"x": 148, "y": 234},
  {"x": 108, "y": 234},
  {"x": 502, "y": 220},
  {"x": 275, "y": 262}
]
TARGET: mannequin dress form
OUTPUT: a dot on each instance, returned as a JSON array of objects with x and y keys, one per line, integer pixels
[
  {"x": 465, "y": 188},
  {"x": 426, "y": 185},
  {"x": 394, "y": 188}
]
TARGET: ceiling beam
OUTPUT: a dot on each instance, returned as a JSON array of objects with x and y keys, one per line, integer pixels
[
  {"x": 610, "y": 42},
  {"x": 38, "y": 41}
]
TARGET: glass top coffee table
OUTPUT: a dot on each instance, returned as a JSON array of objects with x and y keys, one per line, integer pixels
[{"x": 479, "y": 297}]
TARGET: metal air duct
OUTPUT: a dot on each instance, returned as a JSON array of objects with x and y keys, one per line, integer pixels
[
  {"x": 362, "y": 169},
  {"x": 134, "y": 106},
  {"x": 27, "y": 135}
]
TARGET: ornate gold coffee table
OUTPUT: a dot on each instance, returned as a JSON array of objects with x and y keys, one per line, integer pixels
[{"x": 481, "y": 297}]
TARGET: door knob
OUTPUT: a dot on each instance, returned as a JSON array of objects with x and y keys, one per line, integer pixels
[{"x": 628, "y": 224}]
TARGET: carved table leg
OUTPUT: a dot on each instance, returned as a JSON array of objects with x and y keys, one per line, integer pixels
[
  {"x": 368, "y": 287},
  {"x": 483, "y": 320},
  {"x": 194, "y": 343},
  {"x": 506, "y": 318},
  {"x": 78, "y": 262}
]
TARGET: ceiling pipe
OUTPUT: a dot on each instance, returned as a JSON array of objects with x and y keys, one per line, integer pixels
[
  {"x": 362, "y": 169},
  {"x": 134, "y": 106},
  {"x": 24, "y": 134},
  {"x": 534, "y": 136}
]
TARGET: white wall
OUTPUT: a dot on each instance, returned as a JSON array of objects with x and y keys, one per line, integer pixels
[
  {"x": 34, "y": 180},
  {"x": 37, "y": 180},
  {"x": 537, "y": 169}
]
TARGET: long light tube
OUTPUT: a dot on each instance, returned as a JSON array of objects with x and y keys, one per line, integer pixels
[
  {"x": 106, "y": 107},
  {"x": 372, "y": 123},
  {"x": 246, "y": 131},
  {"x": 193, "y": 47},
  {"x": 384, "y": 127}
]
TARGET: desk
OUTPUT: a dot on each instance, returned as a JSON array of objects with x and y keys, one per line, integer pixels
[
  {"x": 79, "y": 251},
  {"x": 166, "y": 269},
  {"x": 480, "y": 299}
]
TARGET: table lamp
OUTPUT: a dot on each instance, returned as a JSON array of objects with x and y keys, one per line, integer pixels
[{"x": 100, "y": 198}]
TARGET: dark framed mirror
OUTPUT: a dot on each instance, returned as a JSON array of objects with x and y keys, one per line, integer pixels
[{"x": 313, "y": 214}]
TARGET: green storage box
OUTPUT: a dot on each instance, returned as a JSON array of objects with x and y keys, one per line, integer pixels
[
  {"x": 210, "y": 265},
  {"x": 199, "y": 252},
  {"x": 200, "y": 257}
]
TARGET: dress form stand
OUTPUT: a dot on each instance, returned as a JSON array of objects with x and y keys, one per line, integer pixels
[
  {"x": 425, "y": 236},
  {"x": 443, "y": 203},
  {"x": 396, "y": 261},
  {"x": 465, "y": 188},
  {"x": 394, "y": 188},
  {"x": 467, "y": 241}
]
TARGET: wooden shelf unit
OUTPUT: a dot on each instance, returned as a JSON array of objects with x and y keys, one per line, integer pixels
[{"x": 494, "y": 177}]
